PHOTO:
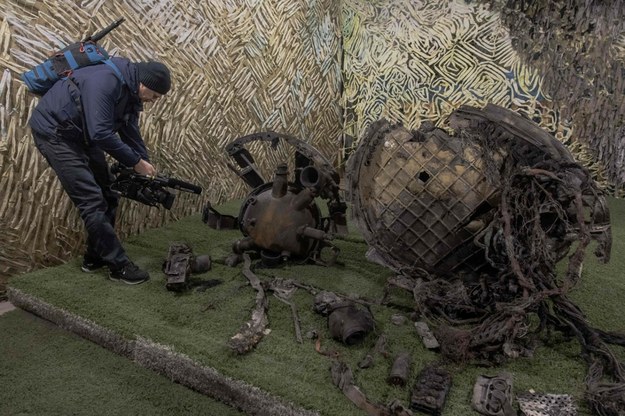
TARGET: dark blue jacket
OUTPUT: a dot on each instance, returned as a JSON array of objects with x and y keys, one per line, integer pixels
[{"x": 111, "y": 111}]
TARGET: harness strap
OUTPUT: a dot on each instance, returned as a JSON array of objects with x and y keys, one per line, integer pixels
[
  {"x": 75, "y": 94},
  {"x": 115, "y": 69}
]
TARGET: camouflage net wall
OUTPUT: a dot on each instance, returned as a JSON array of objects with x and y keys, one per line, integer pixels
[
  {"x": 578, "y": 47},
  {"x": 238, "y": 67},
  {"x": 411, "y": 61}
]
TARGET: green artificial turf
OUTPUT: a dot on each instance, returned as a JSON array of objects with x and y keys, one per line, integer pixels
[
  {"x": 45, "y": 370},
  {"x": 199, "y": 324}
]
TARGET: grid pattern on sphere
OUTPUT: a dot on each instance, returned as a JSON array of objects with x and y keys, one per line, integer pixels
[{"x": 421, "y": 210}]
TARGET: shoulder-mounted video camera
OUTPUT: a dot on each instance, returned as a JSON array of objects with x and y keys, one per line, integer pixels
[{"x": 149, "y": 190}]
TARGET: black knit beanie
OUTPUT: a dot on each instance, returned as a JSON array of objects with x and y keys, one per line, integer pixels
[{"x": 155, "y": 76}]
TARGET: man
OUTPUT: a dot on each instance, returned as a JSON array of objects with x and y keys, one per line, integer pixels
[{"x": 111, "y": 97}]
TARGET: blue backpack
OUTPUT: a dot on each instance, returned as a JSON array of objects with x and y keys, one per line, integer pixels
[{"x": 77, "y": 55}]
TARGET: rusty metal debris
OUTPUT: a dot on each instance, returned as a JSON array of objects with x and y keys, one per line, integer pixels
[
  {"x": 431, "y": 389},
  {"x": 378, "y": 349},
  {"x": 253, "y": 331},
  {"x": 536, "y": 404},
  {"x": 400, "y": 370},
  {"x": 429, "y": 340},
  {"x": 492, "y": 396},
  {"x": 474, "y": 224},
  {"x": 347, "y": 322},
  {"x": 343, "y": 378},
  {"x": 398, "y": 319},
  {"x": 218, "y": 221},
  {"x": 180, "y": 264},
  {"x": 283, "y": 290},
  {"x": 280, "y": 218},
  {"x": 323, "y": 302}
]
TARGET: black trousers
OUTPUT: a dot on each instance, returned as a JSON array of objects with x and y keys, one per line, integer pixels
[{"x": 86, "y": 178}]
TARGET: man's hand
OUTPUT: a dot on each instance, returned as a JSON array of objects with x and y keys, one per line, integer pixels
[{"x": 144, "y": 168}]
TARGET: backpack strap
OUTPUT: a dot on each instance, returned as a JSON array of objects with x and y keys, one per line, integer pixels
[
  {"x": 75, "y": 94},
  {"x": 116, "y": 70}
]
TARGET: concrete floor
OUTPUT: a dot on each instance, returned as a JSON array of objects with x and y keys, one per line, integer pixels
[
  {"x": 46, "y": 370},
  {"x": 6, "y": 307}
]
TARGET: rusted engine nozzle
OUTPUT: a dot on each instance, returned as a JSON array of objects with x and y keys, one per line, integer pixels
[
  {"x": 349, "y": 324},
  {"x": 311, "y": 177}
]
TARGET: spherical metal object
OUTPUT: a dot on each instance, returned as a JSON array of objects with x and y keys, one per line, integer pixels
[
  {"x": 432, "y": 202},
  {"x": 280, "y": 218},
  {"x": 272, "y": 220},
  {"x": 419, "y": 197}
]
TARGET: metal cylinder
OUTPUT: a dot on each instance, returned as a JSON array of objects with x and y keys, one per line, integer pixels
[
  {"x": 244, "y": 244},
  {"x": 310, "y": 177},
  {"x": 400, "y": 371},
  {"x": 303, "y": 199},
  {"x": 350, "y": 324},
  {"x": 280, "y": 182},
  {"x": 310, "y": 232},
  {"x": 201, "y": 264}
]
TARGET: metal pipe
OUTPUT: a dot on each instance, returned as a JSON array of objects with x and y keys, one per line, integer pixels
[
  {"x": 309, "y": 177},
  {"x": 244, "y": 244},
  {"x": 400, "y": 370},
  {"x": 280, "y": 182},
  {"x": 303, "y": 199}
]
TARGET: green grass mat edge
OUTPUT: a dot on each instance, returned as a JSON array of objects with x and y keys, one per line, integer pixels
[{"x": 177, "y": 367}]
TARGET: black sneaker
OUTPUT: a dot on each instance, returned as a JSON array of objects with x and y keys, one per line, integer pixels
[
  {"x": 90, "y": 266},
  {"x": 130, "y": 274}
]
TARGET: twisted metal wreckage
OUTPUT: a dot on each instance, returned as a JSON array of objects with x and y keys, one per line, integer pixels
[{"x": 472, "y": 223}]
